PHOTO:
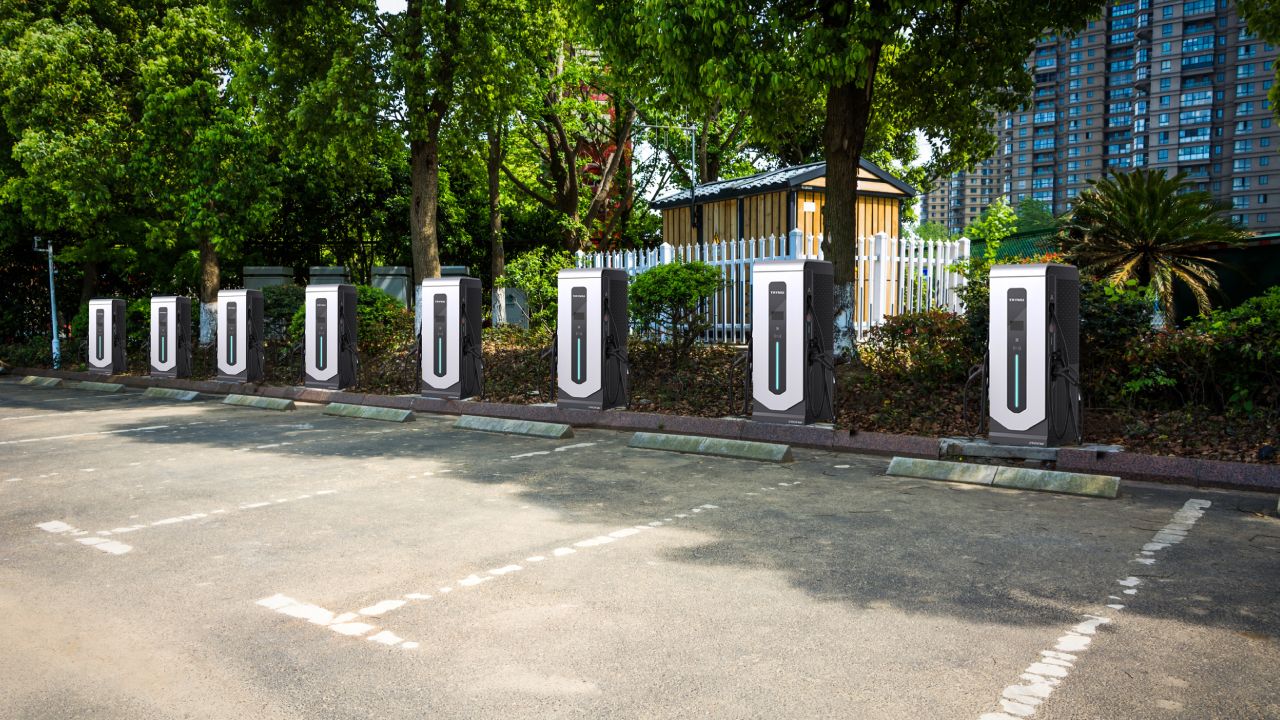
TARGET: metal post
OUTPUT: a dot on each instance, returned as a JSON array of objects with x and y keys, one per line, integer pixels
[{"x": 53, "y": 302}]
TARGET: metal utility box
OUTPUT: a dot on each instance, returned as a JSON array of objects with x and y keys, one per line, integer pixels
[
  {"x": 452, "y": 367},
  {"x": 329, "y": 360},
  {"x": 170, "y": 336},
  {"x": 592, "y": 325},
  {"x": 240, "y": 336},
  {"x": 106, "y": 336},
  {"x": 793, "y": 378},
  {"x": 1034, "y": 355}
]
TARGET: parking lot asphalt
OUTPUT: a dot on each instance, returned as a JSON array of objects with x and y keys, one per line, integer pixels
[{"x": 196, "y": 560}]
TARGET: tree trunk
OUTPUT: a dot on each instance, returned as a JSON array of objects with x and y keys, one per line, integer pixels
[
  {"x": 89, "y": 284},
  {"x": 848, "y": 113},
  {"x": 424, "y": 176},
  {"x": 497, "y": 259},
  {"x": 210, "y": 278},
  {"x": 845, "y": 132}
]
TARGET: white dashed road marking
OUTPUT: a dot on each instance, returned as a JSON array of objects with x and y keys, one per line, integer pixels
[
  {"x": 1042, "y": 677},
  {"x": 117, "y": 548}
]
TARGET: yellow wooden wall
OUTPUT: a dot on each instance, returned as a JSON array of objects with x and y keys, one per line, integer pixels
[{"x": 766, "y": 214}]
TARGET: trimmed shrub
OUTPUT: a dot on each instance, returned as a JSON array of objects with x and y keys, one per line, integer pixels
[
  {"x": 280, "y": 304},
  {"x": 535, "y": 273},
  {"x": 929, "y": 349},
  {"x": 668, "y": 303}
]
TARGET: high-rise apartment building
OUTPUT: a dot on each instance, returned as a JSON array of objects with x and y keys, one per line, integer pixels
[
  {"x": 956, "y": 201},
  {"x": 1172, "y": 84}
]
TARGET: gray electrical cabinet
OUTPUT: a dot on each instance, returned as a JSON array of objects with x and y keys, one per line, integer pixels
[
  {"x": 106, "y": 336},
  {"x": 329, "y": 359},
  {"x": 1034, "y": 355},
  {"x": 452, "y": 366},
  {"x": 171, "y": 336},
  {"x": 793, "y": 377},
  {"x": 592, "y": 371},
  {"x": 240, "y": 336}
]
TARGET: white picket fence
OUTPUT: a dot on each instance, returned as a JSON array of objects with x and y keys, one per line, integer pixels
[{"x": 893, "y": 275}]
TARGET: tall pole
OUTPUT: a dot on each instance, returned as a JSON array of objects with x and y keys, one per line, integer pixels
[{"x": 53, "y": 304}]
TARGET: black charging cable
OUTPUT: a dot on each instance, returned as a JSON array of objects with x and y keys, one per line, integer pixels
[
  {"x": 817, "y": 353},
  {"x": 613, "y": 350},
  {"x": 977, "y": 372},
  {"x": 1060, "y": 370},
  {"x": 552, "y": 353}
]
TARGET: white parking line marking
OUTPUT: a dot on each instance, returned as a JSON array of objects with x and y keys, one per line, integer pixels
[
  {"x": 1041, "y": 677},
  {"x": 84, "y": 434},
  {"x": 341, "y": 625},
  {"x": 382, "y": 607}
]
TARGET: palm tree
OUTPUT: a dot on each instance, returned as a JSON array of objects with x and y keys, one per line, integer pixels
[{"x": 1147, "y": 226}]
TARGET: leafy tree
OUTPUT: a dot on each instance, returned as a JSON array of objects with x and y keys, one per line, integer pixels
[
  {"x": 933, "y": 231},
  {"x": 68, "y": 98},
  {"x": 1034, "y": 215},
  {"x": 333, "y": 74},
  {"x": 997, "y": 222},
  {"x": 574, "y": 137},
  {"x": 203, "y": 160},
  {"x": 1152, "y": 228},
  {"x": 947, "y": 66}
]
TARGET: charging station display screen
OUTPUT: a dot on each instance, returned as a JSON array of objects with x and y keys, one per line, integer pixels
[
  {"x": 322, "y": 333},
  {"x": 439, "y": 313},
  {"x": 1016, "y": 314},
  {"x": 231, "y": 333},
  {"x": 777, "y": 337},
  {"x": 100, "y": 340},
  {"x": 578, "y": 323},
  {"x": 164, "y": 335}
]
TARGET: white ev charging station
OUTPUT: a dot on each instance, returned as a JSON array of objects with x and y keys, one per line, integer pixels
[
  {"x": 592, "y": 326},
  {"x": 106, "y": 336},
  {"x": 329, "y": 359},
  {"x": 792, "y": 341},
  {"x": 240, "y": 336},
  {"x": 1034, "y": 355},
  {"x": 452, "y": 367},
  {"x": 170, "y": 336}
]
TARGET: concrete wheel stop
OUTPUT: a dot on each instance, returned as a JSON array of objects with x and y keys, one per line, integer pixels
[
  {"x": 41, "y": 381},
  {"x": 368, "y": 412},
  {"x": 259, "y": 401},
  {"x": 160, "y": 393},
  {"x": 108, "y": 387},
  {"x": 719, "y": 447},
  {"x": 533, "y": 428},
  {"x": 1101, "y": 486}
]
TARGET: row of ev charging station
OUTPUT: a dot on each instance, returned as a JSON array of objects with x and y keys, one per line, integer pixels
[{"x": 1032, "y": 367}]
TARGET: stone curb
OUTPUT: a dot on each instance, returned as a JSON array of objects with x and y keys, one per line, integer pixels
[
  {"x": 368, "y": 412},
  {"x": 719, "y": 447},
  {"x": 170, "y": 394},
  {"x": 257, "y": 401},
  {"x": 554, "y": 431},
  {"x": 1007, "y": 477},
  {"x": 1128, "y": 465}
]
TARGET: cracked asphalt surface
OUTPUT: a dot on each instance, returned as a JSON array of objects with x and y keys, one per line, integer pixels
[{"x": 257, "y": 564}]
